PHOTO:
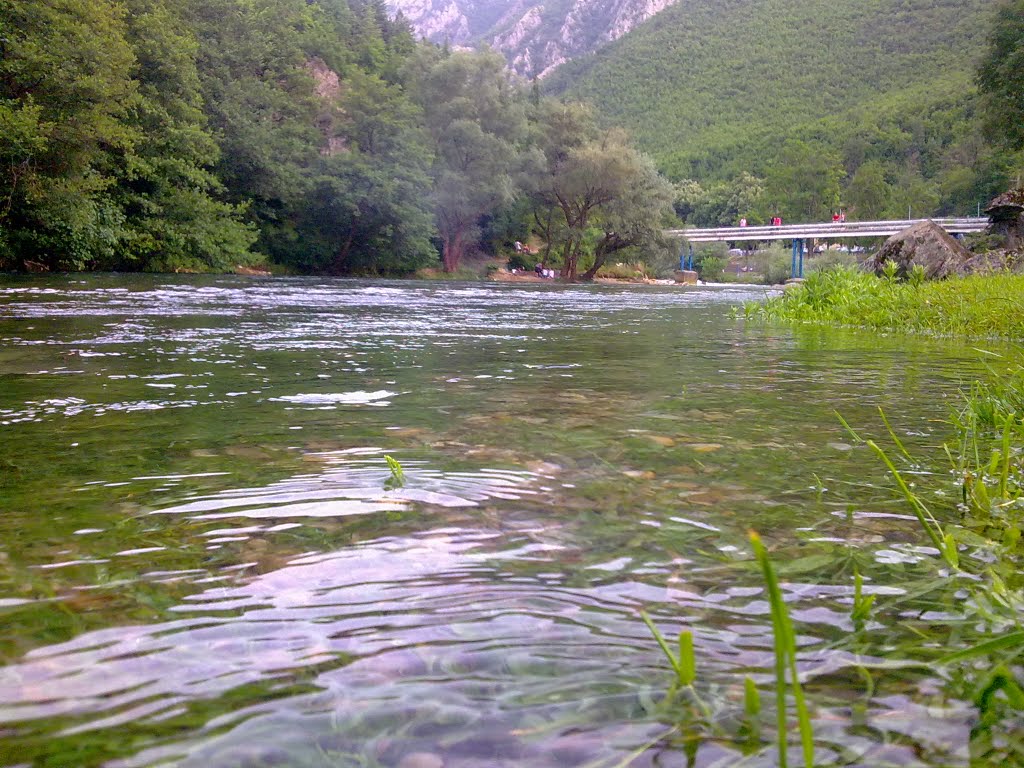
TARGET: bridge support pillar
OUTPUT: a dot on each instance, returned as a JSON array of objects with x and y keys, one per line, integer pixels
[
  {"x": 797, "y": 268},
  {"x": 686, "y": 259}
]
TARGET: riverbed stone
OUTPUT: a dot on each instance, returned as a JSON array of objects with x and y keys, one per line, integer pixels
[
  {"x": 421, "y": 760},
  {"x": 925, "y": 244}
]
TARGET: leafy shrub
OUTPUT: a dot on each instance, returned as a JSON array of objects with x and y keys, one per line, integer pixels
[
  {"x": 774, "y": 264},
  {"x": 521, "y": 261},
  {"x": 633, "y": 271},
  {"x": 711, "y": 268}
]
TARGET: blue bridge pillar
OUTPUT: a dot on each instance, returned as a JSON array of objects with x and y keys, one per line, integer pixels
[
  {"x": 797, "y": 269},
  {"x": 685, "y": 264}
]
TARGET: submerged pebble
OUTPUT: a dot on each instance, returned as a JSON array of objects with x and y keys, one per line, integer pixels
[{"x": 421, "y": 760}]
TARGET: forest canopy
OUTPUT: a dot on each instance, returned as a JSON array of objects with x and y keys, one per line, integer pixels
[{"x": 207, "y": 135}]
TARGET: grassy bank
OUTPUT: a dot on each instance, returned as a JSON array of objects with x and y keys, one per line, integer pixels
[{"x": 990, "y": 306}]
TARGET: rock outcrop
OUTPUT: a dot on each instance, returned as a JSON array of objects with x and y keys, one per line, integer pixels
[
  {"x": 533, "y": 36},
  {"x": 928, "y": 245},
  {"x": 1006, "y": 217}
]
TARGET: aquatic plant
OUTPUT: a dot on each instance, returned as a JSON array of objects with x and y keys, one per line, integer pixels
[
  {"x": 397, "y": 479},
  {"x": 684, "y": 663},
  {"x": 986, "y": 460},
  {"x": 785, "y": 659},
  {"x": 944, "y": 542},
  {"x": 861, "y": 604}
]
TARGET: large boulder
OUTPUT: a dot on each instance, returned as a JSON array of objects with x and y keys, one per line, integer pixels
[{"x": 928, "y": 245}]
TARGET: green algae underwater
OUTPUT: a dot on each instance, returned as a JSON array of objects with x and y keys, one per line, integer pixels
[{"x": 207, "y": 559}]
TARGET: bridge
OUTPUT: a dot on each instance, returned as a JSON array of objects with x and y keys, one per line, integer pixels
[{"x": 829, "y": 230}]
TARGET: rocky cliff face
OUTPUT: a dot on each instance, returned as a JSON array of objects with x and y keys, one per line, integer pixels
[{"x": 535, "y": 37}]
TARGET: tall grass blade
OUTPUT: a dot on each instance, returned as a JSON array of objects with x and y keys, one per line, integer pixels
[
  {"x": 785, "y": 658},
  {"x": 892, "y": 434},
  {"x": 672, "y": 660},
  {"x": 1012, "y": 640},
  {"x": 751, "y": 698},
  {"x": 861, "y": 605},
  {"x": 687, "y": 660},
  {"x": 928, "y": 522},
  {"x": 849, "y": 429},
  {"x": 1004, "y": 475}
]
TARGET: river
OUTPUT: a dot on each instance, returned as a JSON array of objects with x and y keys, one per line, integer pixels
[{"x": 207, "y": 560}]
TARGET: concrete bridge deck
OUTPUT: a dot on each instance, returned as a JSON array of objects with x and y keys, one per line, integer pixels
[{"x": 824, "y": 230}]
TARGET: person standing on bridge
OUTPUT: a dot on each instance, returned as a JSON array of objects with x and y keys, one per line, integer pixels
[{"x": 743, "y": 222}]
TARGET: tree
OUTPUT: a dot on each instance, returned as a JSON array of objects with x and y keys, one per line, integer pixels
[
  {"x": 173, "y": 218},
  {"x": 913, "y": 195},
  {"x": 609, "y": 197},
  {"x": 477, "y": 120},
  {"x": 1001, "y": 76},
  {"x": 370, "y": 208},
  {"x": 65, "y": 94},
  {"x": 259, "y": 98},
  {"x": 636, "y": 218},
  {"x": 868, "y": 195},
  {"x": 721, "y": 204}
]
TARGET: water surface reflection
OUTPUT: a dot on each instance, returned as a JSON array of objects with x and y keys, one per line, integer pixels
[{"x": 206, "y": 560}]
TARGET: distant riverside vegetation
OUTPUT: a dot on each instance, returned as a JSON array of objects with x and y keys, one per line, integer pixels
[{"x": 321, "y": 137}]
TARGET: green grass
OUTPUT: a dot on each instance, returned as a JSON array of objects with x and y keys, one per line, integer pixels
[{"x": 980, "y": 306}]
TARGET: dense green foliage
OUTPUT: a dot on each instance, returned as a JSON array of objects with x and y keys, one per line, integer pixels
[
  {"x": 595, "y": 194},
  {"x": 1001, "y": 76},
  {"x": 179, "y": 135},
  {"x": 981, "y": 306},
  {"x": 166, "y": 135},
  {"x": 866, "y": 106}
]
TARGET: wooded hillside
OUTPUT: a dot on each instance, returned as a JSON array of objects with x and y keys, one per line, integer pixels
[{"x": 876, "y": 97}]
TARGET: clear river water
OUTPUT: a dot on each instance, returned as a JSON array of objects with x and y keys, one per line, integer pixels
[{"x": 206, "y": 559}]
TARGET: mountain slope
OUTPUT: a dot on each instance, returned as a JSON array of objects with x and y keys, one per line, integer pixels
[
  {"x": 534, "y": 37},
  {"x": 710, "y": 87}
]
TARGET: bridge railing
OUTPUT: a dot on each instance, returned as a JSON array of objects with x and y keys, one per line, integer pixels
[{"x": 830, "y": 230}]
